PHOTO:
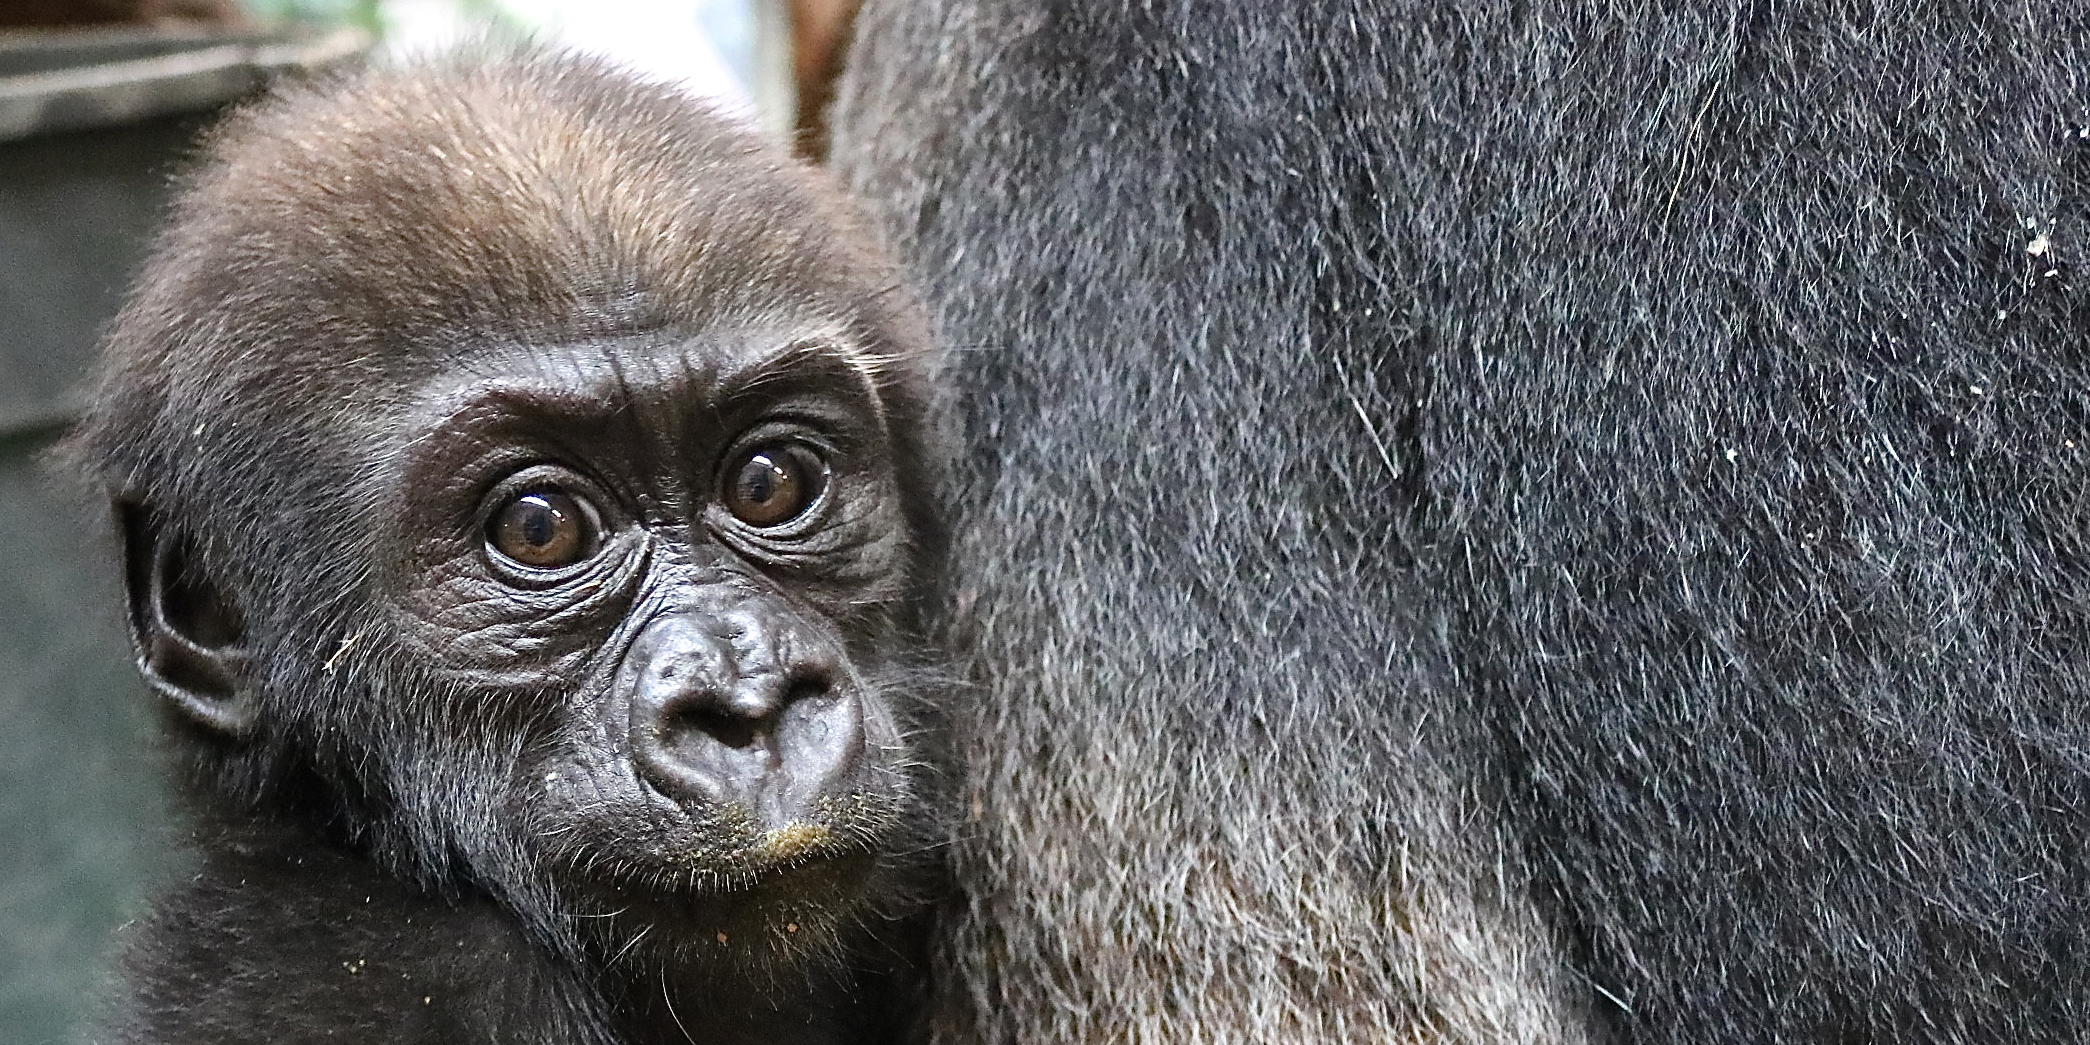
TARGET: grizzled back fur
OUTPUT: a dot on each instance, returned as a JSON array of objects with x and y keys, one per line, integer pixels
[{"x": 1509, "y": 522}]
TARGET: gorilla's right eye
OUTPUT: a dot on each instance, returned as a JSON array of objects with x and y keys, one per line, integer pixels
[{"x": 544, "y": 529}]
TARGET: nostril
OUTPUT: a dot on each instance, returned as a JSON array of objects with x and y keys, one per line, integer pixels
[
  {"x": 742, "y": 714},
  {"x": 716, "y": 719},
  {"x": 806, "y": 685}
]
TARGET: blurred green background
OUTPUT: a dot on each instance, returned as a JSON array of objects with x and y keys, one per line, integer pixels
[{"x": 84, "y": 832}]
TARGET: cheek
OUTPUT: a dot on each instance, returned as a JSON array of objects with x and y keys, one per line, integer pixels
[
  {"x": 574, "y": 803},
  {"x": 467, "y": 629},
  {"x": 884, "y": 731},
  {"x": 455, "y": 789},
  {"x": 575, "y": 773}
]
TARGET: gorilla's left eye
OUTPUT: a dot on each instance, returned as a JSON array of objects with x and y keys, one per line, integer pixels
[
  {"x": 544, "y": 529},
  {"x": 772, "y": 485}
]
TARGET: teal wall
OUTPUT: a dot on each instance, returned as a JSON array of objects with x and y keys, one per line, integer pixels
[{"x": 84, "y": 832}]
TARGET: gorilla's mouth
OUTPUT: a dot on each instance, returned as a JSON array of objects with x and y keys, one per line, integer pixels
[
  {"x": 731, "y": 860},
  {"x": 786, "y": 902},
  {"x": 794, "y": 840}
]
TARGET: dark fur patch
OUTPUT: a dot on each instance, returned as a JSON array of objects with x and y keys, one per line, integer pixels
[{"x": 1486, "y": 522}]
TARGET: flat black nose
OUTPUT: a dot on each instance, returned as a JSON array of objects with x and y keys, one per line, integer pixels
[{"x": 745, "y": 705}]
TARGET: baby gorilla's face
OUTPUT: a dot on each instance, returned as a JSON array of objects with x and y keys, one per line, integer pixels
[{"x": 673, "y": 563}]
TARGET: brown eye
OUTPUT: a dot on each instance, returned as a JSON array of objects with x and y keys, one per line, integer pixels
[
  {"x": 545, "y": 529},
  {"x": 773, "y": 484}
]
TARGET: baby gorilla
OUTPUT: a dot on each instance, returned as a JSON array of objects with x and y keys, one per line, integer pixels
[{"x": 522, "y": 477}]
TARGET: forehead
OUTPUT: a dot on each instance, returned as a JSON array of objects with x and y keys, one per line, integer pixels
[{"x": 658, "y": 380}]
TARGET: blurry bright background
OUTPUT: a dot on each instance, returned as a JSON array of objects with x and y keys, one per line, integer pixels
[{"x": 715, "y": 47}]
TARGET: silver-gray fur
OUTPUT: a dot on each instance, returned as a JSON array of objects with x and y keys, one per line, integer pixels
[{"x": 1492, "y": 522}]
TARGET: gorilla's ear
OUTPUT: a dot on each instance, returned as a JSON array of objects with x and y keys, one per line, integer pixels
[{"x": 190, "y": 636}]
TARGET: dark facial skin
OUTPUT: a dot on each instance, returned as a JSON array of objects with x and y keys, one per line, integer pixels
[
  {"x": 524, "y": 483},
  {"x": 665, "y": 551}
]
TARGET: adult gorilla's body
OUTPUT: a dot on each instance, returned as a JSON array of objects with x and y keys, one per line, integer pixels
[{"x": 1508, "y": 522}]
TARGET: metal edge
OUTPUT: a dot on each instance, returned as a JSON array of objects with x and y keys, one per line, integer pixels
[{"x": 147, "y": 87}]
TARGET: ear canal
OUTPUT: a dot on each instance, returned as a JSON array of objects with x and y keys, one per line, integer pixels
[{"x": 189, "y": 634}]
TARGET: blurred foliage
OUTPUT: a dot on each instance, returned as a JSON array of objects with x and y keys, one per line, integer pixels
[{"x": 363, "y": 13}]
